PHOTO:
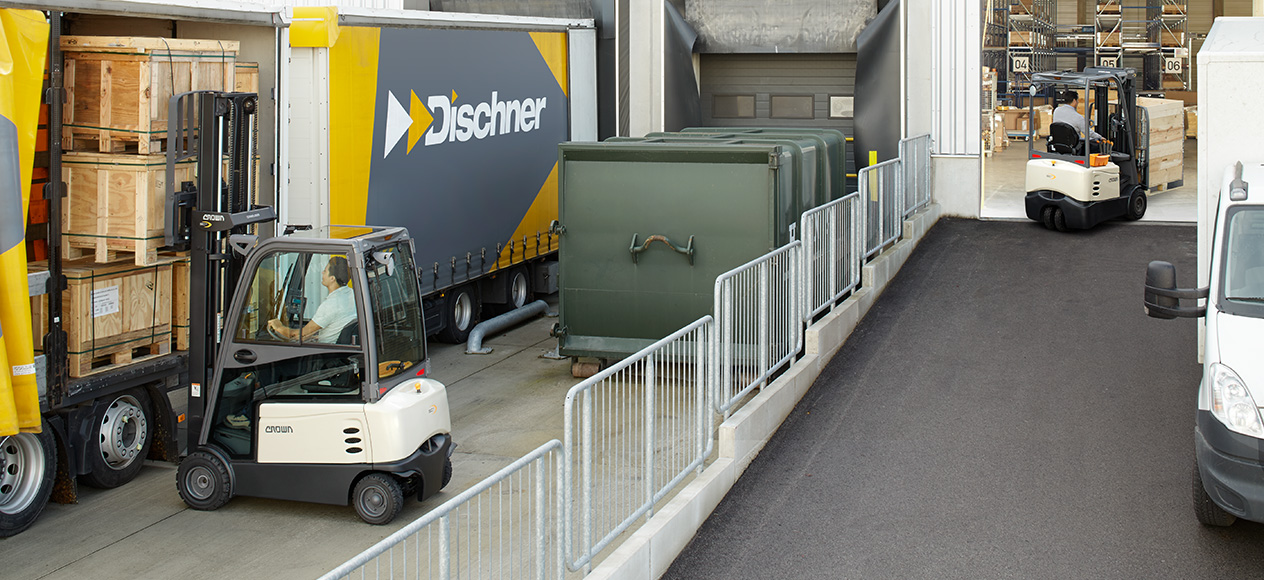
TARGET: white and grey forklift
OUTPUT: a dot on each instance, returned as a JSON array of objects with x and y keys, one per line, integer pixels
[
  {"x": 1075, "y": 183},
  {"x": 307, "y": 357}
]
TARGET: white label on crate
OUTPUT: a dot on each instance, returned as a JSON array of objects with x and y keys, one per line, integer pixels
[
  {"x": 1022, "y": 64},
  {"x": 19, "y": 370},
  {"x": 105, "y": 301},
  {"x": 1173, "y": 65},
  {"x": 1110, "y": 62}
]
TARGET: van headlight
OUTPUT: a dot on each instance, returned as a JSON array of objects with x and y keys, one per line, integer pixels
[{"x": 1232, "y": 404}]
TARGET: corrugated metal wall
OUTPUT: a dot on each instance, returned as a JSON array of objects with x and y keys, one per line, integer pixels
[
  {"x": 543, "y": 8},
  {"x": 956, "y": 76},
  {"x": 777, "y": 88}
]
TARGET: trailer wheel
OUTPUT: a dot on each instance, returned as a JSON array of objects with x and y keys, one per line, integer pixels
[
  {"x": 1046, "y": 217},
  {"x": 122, "y": 440},
  {"x": 460, "y": 312},
  {"x": 1059, "y": 220},
  {"x": 28, "y": 466},
  {"x": 1206, "y": 510},
  {"x": 1136, "y": 204},
  {"x": 203, "y": 481},
  {"x": 377, "y": 498}
]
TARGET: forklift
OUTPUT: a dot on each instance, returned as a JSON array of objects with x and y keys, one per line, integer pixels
[
  {"x": 307, "y": 354},
  {"x": 1076, "y": 183}
]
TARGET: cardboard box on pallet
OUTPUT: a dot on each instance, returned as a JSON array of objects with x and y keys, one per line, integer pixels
[
  {"x": 118, "y": 87},
  {"x": 113, "y": 314}
]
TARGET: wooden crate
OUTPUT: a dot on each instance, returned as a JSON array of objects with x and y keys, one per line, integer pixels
[
  {"x": 1103, "y": 8},
  {"x": 180, "y": 303},
  {"x": 1108, "y": 38},
  {"x": 1171, "y": 38},
  {"x": 1191, "y": 122},
  {"x": 113, "y": 314},
  {"x": 1167, "y": 140},
  {"x": 118, "y": 88},
  {"x": 1021, "y": 38},
  {"x": 247, "y": 77},
  {"x": 115, "y": 205}
]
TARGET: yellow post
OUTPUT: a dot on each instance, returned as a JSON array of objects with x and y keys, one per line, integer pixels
[{"x": 873, "y": 177}]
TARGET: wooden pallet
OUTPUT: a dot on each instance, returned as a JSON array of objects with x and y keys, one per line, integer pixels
[
  {"x": 180, "y": 303},
  {"x": 119, "y": 355},
  {"x": 118, "y": 88},
  {"x": 1166, "y": 186}
]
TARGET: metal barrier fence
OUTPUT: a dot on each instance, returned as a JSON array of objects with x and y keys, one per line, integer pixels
[
  {"x": 506, "y": 526},
  {"x": 634, "y": 432},
  {"x": 758, "y": 323},
  {"x": 833, "y": 249},
  {"x": 882, "y": 187},
  {"x": 915, "y": 157}
]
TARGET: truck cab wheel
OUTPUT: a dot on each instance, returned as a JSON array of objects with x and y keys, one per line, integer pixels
[
  {"x": 377, "y": 498},
  {"x": 1206, "y": 510},
  {"x": 460, "y": 312},
  {"x": 203, "y": 481},
  {"x": 121, "y": 433},
  {"x": 28, "y": 466}
]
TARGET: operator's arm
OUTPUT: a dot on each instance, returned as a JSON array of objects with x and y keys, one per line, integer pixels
[{"x": 309, "y": 330}]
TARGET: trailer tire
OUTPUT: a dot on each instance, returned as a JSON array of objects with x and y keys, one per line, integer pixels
[
  {"x": 1136, "y": 204},
  {"x": 28, "y": 467},
  {"x": 121, "y": 440},
  {"x": 460, "y": 314},
  {"x": 377, "y": 498},
  {"x": 1206, "y": 510},
  {"x": 204, "y": 481},
  {"x": 517, "y": 289}
]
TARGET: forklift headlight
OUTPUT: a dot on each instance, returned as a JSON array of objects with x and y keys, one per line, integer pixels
[{"x": 1232, "y": 404}]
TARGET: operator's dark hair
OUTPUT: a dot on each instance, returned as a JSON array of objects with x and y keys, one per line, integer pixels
[
  {"x": 339, "y": 269},
  {"x": 1069, "y": 97}
]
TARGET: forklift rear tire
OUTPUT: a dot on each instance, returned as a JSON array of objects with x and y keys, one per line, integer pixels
[
  {"x": 1046, "y": 217},
  {"x": 203, "y": 481},
  {"x": 1059, "y": 220},
  {"x": 447, "y": 473},
  {"x": 122, "y": 439},
  {"x": 1136, "y": 204},
  {"x": 1206, "y": 510},
  {"x": 28, "y": 467},
  {"x": 460, "y": 312},
  {"x": 378, "y": 498}
]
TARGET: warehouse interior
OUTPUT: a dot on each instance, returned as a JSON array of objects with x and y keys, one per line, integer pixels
[{"x": 1159, "y": 39}]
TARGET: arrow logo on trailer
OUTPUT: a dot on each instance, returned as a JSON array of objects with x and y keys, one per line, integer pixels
[{"x": 414, "y": 121}]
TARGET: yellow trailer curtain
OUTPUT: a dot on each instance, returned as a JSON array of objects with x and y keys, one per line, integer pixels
[{"x": 23, "y": 45}]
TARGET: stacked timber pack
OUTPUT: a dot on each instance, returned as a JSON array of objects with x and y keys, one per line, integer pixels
[
  {"x": 126, "y": 300},
  {"x": 1167, "y": 141}
]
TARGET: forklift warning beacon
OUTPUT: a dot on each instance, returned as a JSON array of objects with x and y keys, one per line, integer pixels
[
  {"x": 307, "y": 357},
  {"x": 1078, "y": 182}
]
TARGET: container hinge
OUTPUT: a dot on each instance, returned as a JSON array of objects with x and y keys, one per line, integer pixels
[
  {"x": 556, "y": 228},
  {"x": 558, "y": 331},
  {"x": 774, "y": 161}
]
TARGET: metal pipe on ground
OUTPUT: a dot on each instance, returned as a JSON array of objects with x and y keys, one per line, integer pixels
[{"x": 475, "y": 343}]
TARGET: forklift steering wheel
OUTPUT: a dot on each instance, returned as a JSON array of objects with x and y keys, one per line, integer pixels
[{"x": 274, "y": 334}]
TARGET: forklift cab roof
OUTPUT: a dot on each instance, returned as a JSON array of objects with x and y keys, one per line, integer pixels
[{"x": 1090, "y": 76}]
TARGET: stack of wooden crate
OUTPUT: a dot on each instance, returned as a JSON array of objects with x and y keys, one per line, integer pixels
[
  {"x": 114, "y": 166},
  {"x": 1167, "y": 141}
]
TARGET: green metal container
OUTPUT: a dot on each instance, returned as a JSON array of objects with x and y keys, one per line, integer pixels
[
  {"x": 831, "y": 142},
  {"x": 648, "y": 227}
]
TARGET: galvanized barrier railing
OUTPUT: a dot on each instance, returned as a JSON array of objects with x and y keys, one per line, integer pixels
[
  {"x": 882, "y": 187},
  {"x": 915, "y": 157},
  {"x": 759, "y": 316},
  {"x": 633, "y": 432},
  {"x": 505, "y": 526},
  {"x": 833, "y": 249}
]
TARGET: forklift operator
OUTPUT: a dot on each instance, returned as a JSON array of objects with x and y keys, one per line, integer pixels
[
  {"x": 336, "y": 311},
  {"x": 1067, "y": 113}
]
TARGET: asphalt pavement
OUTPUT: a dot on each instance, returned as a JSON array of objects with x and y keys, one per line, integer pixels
[{"x": 1006, "y": 410}]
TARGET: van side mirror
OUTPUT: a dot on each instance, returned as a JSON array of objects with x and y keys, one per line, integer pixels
[{"x": 1163, "y": 299}]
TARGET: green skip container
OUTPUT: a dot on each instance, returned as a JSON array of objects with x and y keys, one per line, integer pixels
[
  {"x": 831, "y": 145},
  {"x": 647, "y": 227}
]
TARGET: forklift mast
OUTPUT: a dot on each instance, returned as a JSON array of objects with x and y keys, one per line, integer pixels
[{"x": 211, "y": 218}]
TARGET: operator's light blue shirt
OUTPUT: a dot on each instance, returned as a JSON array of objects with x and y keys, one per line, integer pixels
[
  {"x": 335, "y": 312},
  {"x": 1067, "y": 114}
]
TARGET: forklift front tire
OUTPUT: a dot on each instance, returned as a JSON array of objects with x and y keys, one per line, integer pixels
[
  {"x": 377, "y": 498},
  {"x": 1136, "y": 204},
  {"x": 1046, "y": 217},
  {"x": 204, "y": 481}
]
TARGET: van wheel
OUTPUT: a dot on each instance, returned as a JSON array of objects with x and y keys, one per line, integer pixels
[
  {"x": 460, "y": 311},
  {"x": 1136, "y": 204},
  {"x": 377, "y": 498},
  {"x": 203, "y": 481},
  {"x": 122, "y": 440},
  {"x": 1206, "y": 510},
  {"x": 1059, "y": 220},
  {"x": 28, "y": 466},
  {"x": 1046, "y": 217}
]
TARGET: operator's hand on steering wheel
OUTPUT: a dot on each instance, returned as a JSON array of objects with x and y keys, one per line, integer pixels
[{"x": 274, "y": 329}]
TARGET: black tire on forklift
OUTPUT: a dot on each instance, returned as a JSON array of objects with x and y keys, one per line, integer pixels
[
  {"x": 121, "y": 440},
  {"x": 447, "y": 473},
  {"x": 28, "y": 467},
  {"x": 460, "y": 313},
  {"x": 1059, "y": 220},
  {"x": 1046, "y": 216},
  {"x": 203, "y": 481},
  {"x": 377, "y": 498},
  {"x": 1206, "y": 510},
  {"x": 1136, "y": 204}
]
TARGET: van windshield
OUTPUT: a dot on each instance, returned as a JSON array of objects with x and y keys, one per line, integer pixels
[{"x": 1242, "y": 292}]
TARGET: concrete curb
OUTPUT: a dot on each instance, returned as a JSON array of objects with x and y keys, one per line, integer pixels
[{"x": 650, "y": 550}]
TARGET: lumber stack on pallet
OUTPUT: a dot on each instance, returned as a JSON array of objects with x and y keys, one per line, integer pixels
[
  {"x": 113, "y": 314},
  {"x": 1167, "y": 140},
  {"x": 118, "y": 87},
  {"x": 1191, "y": 122}
]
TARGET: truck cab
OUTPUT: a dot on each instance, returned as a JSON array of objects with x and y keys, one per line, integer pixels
[{"x": 1228, "y": 473}]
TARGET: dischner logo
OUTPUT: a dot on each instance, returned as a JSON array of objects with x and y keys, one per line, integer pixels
[{"x": 443, "y": 120}]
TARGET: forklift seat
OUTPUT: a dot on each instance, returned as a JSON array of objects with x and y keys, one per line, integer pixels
[
  {"x": 1064, "y": 139},
  {"x": 350, "y": 333}
]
